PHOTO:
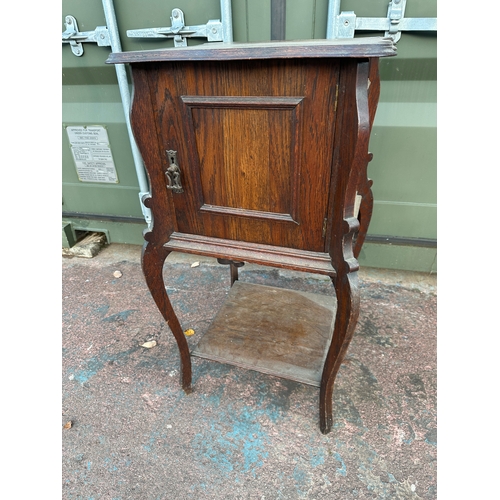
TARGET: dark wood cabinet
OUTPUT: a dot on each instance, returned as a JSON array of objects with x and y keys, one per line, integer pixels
[{"x": 258, "y": 153}]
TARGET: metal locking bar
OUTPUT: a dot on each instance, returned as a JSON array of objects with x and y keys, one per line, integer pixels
[
  {"x": 345, "y": 24},
  {"x": 212, "y": 31},
  {"x": 74, "y": 37}
]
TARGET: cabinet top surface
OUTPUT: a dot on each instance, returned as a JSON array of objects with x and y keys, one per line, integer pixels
[{"x": 218, "y": 51}]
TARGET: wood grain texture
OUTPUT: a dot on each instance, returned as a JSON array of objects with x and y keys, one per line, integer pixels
[
  {"x": 364, "y": 182},
  {"x": 268, "y": 255},
  {"x": 348, "y": 301},
  {"x": 355, "y": 122},
  {"x": 152, "y": 260},
  {"x": 143, "y": 123},
  {"x": 297, "y": 49},
  {"x": 272, "y": 142},
  {"x": 254, "y": 143},
  {"x": 280, "y": 332}
]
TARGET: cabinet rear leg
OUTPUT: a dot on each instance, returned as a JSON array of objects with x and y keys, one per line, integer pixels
[{"x": 233, "y": 266}]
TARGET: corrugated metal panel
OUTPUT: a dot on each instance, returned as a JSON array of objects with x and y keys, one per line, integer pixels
[{"x": 403, "y": 139}]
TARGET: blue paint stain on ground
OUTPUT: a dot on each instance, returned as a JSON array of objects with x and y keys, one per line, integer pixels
[
  {"x": 249, "y": 432},
  {"x": 217, "y": 449},
  {"x": 102, "y": 310},
  {"x": 155, "y": 363},
  {"x": 243, "y": 448},
  {"x": 316, "y": 456},
  {"x": 121, "y": 316},
  {"x": 155, "y": 436},
  {"x": 273, "y": 406},
  {"x": 342, "y": 469},
  {"x": 216, "y": 395},
  {"x": 96, "y": 363},
  {"x": 93, "y": 366},
  {"x": 108, "y": 462},
  {"x": 301, "y": 480},
  {"x": 431, "y": 437}
]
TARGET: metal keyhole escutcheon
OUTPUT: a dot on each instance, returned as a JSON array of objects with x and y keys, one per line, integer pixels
[{"x": 173, "y": 173}]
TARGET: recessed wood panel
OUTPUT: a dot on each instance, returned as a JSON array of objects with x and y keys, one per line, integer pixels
[{"x": 253, "y": 173}]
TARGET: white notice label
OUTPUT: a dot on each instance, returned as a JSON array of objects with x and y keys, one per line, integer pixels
[{"x": 92, "y": 154}]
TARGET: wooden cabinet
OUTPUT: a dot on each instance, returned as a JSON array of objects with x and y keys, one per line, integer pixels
[{"x": 258, "y": 153}]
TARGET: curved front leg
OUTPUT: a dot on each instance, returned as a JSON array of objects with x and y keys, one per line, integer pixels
[
  {"x": 348, "y": 298},
  {"x": 153, "y": 258}
]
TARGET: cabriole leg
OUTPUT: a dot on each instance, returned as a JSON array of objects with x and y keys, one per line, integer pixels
[
  {"x": 153, "y": 259},
  {"x": 346, "y": 288}
]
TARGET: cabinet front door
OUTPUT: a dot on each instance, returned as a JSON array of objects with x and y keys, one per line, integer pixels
[{"x": 248, "y": 147}]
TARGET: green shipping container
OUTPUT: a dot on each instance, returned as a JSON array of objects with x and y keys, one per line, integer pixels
[{"x": 105, "y": 196}]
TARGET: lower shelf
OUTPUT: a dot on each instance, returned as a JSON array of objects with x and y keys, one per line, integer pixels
[{"x": 280, "y": 332}]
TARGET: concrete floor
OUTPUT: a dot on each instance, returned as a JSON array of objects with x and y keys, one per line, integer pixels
[{"x": 134, "y": 434}]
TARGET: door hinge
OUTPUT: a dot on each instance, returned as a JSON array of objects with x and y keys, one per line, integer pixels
[{"x": 325, "y": 222}]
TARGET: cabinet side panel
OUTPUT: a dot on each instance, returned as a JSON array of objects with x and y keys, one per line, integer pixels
[{"x": 145, "y": 129}]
